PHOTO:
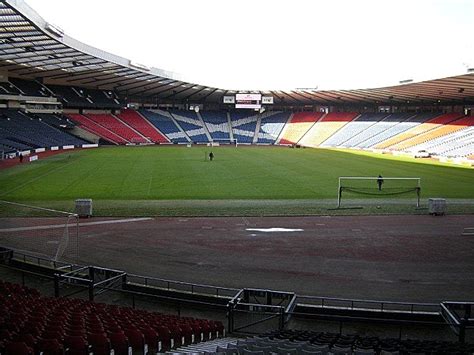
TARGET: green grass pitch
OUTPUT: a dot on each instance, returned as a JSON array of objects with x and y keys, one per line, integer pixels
[{"x": 121, "y": 174}]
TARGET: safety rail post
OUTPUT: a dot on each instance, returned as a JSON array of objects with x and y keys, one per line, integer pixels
[
  {"x": 463, "y": 322},
  {"x": 91, "y": 290},
  {"x": 230, "y": 317},
  {"x": 281, "y": 318},
  {"x": 124, "y": 281},
  {"x": 56, "y": 285},
  {"x": 91, "y": 283}
]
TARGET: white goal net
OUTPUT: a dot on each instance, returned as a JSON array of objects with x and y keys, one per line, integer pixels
[
  {"x": 223, "y": 141},
  {"x": 378, "y": 186},
  {"x": 40, "y": 231}
]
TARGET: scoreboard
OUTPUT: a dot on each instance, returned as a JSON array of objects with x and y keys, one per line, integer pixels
[
  {"x": 249, "y": 101},
  {"x": 252, "y": 101}
]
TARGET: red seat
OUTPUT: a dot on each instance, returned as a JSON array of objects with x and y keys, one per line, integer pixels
[
  {"x": 29, "y": 339},
  {"x": 151, "y": 339},
  {"x": 175, "y": 333},
  {"x": 119, "y": 343},
  {"x": 218, "y": 327},
  {"x": 76, "y": 345},
  {"x": 188, "y": 332},
  {"x": 18, "y": 348},
  {"x": 164, "y": 335},
  {"x": 100, "y": 344},
  {"x": 136, "y": 339},
  {"x": 206, "y": 329},
  {"x": 76, "y": 331},
  {"x": 50, "y": 347},
  {"x": 53, "y": 334}
]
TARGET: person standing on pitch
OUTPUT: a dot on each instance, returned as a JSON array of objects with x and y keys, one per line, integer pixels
[
  {"x": 380, "y": 182},
  {"x": 211, "y": 156}
]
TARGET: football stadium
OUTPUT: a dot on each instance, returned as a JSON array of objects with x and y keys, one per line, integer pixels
[{"x": 142, "y": 212}]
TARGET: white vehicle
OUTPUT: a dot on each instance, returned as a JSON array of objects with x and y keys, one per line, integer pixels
[{"x": 422, "y": 154}]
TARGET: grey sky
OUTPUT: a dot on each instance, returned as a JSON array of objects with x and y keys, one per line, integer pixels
[{"x": 273, "y": 44}]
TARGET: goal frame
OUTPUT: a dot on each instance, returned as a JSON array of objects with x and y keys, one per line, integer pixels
[
  {"x": 224, "y": 141},
  {"x": 340, "y": 188},
  {"x": 71, "y": 223}
]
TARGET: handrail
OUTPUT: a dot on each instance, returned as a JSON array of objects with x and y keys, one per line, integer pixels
[
  {"x": 259, "y": 305},
  {"x": 215, "y": 289},
  {"x": 113, "y": 278},
  {"x": 361, "y": 304},
  {"x": 381, "y": 305}
]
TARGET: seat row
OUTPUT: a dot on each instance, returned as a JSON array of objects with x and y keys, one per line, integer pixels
[
  {"x": 31, "y": 324},
  {"x": 333, "y": 343}
]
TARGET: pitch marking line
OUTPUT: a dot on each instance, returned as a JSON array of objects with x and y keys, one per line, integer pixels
[
  {"x": 272, "y": 230},
  {"x": 36, "y": 178},
  {"x": 55, "y": 226}
]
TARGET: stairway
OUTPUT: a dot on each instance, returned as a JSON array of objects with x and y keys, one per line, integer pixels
[{"x": 208, "y": 346}]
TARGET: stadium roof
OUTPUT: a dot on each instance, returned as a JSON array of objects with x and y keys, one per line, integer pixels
[{"x": 32, "y": 48}]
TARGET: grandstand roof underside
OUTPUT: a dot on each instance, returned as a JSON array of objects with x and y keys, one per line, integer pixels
[{"x": 30, "y": 48}]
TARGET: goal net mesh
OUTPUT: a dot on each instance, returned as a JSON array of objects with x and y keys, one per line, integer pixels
[
  {"x": 39, "y": 231},
  {"x": 378, "y": 187}
]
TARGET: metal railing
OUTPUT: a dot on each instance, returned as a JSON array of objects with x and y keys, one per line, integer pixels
[
  {"x": 187, "y": 287},
  {"x": 369, "y": 305}
]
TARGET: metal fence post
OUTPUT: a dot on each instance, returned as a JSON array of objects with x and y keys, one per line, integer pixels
[
  {"x": 281, "y": 323},
  {"x": 230, "y": 317},
  {"x": 56, "y": 285},
  {"x": 91, "y": 290}
]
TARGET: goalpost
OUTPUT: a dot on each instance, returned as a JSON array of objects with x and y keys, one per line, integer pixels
[
  {"x": 40, "y": 231},
  {"x": 375, "y": 186},
  {"x": 225, "y": 141}
]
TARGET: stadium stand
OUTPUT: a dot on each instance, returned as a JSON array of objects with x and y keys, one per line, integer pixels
[
  {"x": 55, "y": 120},
  {"x": 456, "y": 144},
  {"x": 271, "y": 125},
  {"x": 397, "y": 128},
  {"x": 9, "y": 146},
  {"x": 101, "y": 99},
  {"x": 30, "y": 88},
  {"x": 91, "y": 126},
  {"x": 302, "y": 342},
  {"x": 217, "y": 124},
  {"x": 7, "y": 88},
  {"x": 22, "y": 132},
  {"x": 244, "y": 125},
  {"x": 118, "y": 127},
  {"x": 32, "y": 323},
  {"x": 163, "y": 121},
  {"x": 353, "y": 128},
  {"x": 191, "y": 124},
  {"x": 326, "y": 127},
  {"x": 402, "y": 141},
  {"x": 140, "y": 124},
  {"x": 299, "y": 124},
  {"x": 384, "y": 124},
  {"x": 444, "y": 130},
  {"x": 70, "y": 97},
  {"x": 323, "y": 342}
]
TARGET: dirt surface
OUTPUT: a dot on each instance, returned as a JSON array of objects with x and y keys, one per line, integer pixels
[{"x": 399, "y": 258}]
